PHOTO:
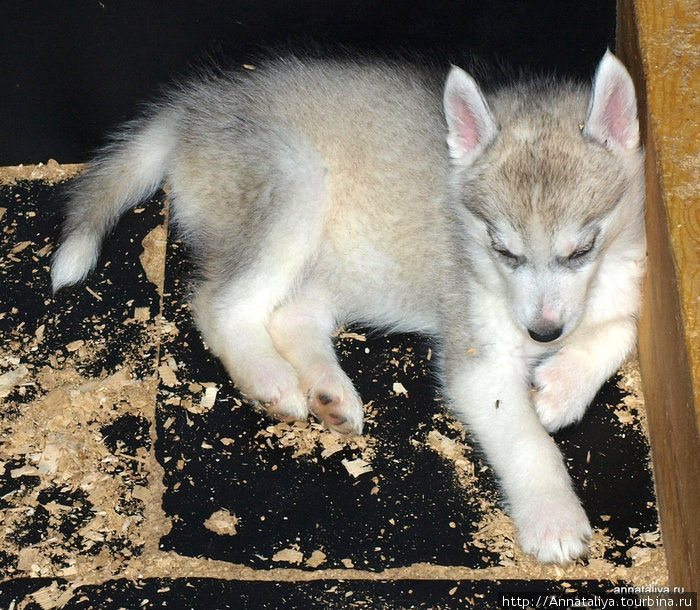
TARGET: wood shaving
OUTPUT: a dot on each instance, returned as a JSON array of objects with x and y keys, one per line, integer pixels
[
  {"x": 222, "y": 522},
  {"x": 357, "y": 467},
  {"x": 74, "y": 346},
  {"x": 142, "y": 314},
  {"x": 209, "y": 398},
  {"x": 153, "y": 256},
  {"x": 289, "y": 556},
  {"x": 53, "y": 596},
  {"x": 11, "y": 379},
  {"x": 350, "y": 335},
  {"x": 398, "y": 388},
  {"x": 631, "y": 410},
  {"x": 455, "y": 451},
  {"x": 316, "y": 559},
  {"x": 168, "y": 376}
]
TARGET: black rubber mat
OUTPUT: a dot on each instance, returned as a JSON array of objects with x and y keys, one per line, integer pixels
[{"x": 292, "y": 496}]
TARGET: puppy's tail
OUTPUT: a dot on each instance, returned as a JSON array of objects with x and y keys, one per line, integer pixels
[{"x": 127, "y": 171}]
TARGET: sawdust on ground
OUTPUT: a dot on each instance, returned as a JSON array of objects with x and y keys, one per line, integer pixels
[{"x": 51, "y": 172}]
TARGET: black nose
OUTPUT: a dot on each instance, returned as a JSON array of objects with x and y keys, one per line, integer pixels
[{"x": 545, "y": 335}]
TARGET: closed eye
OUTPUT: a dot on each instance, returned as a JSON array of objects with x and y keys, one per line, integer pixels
[
  {"x": 509, "y": 257},
  {"x": 579, "y": 256},
  {"x": 581, "y": 252}
]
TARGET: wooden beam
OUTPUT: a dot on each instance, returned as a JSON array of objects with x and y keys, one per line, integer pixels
[{"x": 659, "y": 42}]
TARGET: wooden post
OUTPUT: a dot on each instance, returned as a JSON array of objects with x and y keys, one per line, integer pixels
[{"x": 659, "y": 42}]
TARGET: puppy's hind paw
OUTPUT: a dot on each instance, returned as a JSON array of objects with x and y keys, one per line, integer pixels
[
  {"x": 336, "y": 404},
  {"x": 288, "y": 407}
]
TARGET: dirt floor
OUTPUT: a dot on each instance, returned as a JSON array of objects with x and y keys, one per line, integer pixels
[{"x": 132, "y": 474}]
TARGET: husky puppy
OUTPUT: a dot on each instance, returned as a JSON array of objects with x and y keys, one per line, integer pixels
[{"x": 508, "y": 226}]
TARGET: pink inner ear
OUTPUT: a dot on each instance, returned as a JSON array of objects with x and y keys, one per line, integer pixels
[
  {"x": 467, "y": 125},
  {"x": 616, "y": 115},
  {"x": 469, "y": 131}
]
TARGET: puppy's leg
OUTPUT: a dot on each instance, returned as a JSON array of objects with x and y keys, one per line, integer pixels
[
  {"x": 490, "y": 393},
  {"x": 255, "y": 268},
  {"x": 233, "y": 321},
  {"x": 567, "y": 382},
  {"x": 301, "y": 331}
]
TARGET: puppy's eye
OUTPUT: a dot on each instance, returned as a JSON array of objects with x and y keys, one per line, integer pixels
[
  {"x": 505, "y": 253},
  {"x": 581, "y": 253},
  {"x": 511, "y": 259}
]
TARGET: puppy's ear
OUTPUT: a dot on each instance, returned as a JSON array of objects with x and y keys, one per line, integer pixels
[
  {"x": 471, "y": 126},
  {"x": 612, "y": 112}
]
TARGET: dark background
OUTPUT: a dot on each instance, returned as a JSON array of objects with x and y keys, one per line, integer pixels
[{"x": 72, "y": 70}]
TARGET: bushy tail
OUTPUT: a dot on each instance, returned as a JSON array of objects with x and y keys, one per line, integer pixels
[{"x": 127, "y": 171}]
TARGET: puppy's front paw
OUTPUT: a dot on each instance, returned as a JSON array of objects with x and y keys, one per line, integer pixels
[
  {"x": 553, "y": 528},
  {"x": 561, "y": 389}
]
